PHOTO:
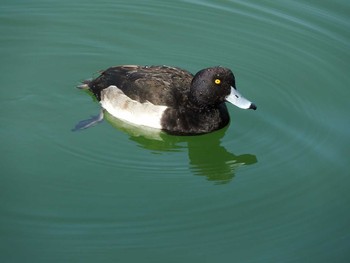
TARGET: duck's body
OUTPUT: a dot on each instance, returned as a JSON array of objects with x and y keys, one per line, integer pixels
[{"x": 167, "y": 98}]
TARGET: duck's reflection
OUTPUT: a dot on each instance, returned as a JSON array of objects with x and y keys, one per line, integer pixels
[
  {"x": 209, "y": 158},
  {"x": 206, "y": 156}
]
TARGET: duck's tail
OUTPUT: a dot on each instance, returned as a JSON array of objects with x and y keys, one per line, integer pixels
[{"x": 85, "y": 84}]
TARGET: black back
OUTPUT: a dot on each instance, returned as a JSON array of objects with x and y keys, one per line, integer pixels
[{"x": 159, "y": 85}]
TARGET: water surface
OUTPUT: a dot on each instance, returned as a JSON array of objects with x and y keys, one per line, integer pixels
[{"x": 270, "y": 187}]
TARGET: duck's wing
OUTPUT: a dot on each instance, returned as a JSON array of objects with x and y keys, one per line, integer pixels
[{"x": 160, "y": 85}]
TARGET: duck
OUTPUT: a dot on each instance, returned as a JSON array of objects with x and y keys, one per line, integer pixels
[{"x": 168, "y": 99}]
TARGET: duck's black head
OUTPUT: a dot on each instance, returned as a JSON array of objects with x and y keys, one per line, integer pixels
[{"x": 213, "y": 86}]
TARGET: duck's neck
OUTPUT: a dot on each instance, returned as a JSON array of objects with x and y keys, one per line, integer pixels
[{"x": 196, "y": 120}]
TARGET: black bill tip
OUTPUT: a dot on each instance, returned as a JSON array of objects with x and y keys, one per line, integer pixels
[{"x": 252, "y": 106}]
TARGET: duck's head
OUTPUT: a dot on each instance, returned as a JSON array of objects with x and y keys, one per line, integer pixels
[{"x": 212, "y": 86}]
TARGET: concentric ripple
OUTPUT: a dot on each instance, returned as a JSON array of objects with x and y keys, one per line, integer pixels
[{"x": 270, "y": 187}]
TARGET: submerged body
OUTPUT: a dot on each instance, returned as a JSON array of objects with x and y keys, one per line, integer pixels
[{"x": 168, "y": 98}]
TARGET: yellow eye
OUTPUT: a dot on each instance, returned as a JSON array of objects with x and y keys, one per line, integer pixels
[{"x": 217, "y": 81}]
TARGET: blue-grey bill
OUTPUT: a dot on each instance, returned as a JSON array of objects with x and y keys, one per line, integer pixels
[{"x": 238, "y": 100}]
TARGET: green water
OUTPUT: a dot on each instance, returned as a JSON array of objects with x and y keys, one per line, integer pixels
[{"x": 271, "y": 187}]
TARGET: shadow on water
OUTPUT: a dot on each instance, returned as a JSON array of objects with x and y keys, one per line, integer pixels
[{"x": 207, "y": 157}]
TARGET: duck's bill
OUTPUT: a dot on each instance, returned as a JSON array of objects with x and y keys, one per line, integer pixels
[{"x": 238, "y": 100}]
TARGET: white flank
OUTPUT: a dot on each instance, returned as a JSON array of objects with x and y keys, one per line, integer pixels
[{"x": 122, "y": 107}]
